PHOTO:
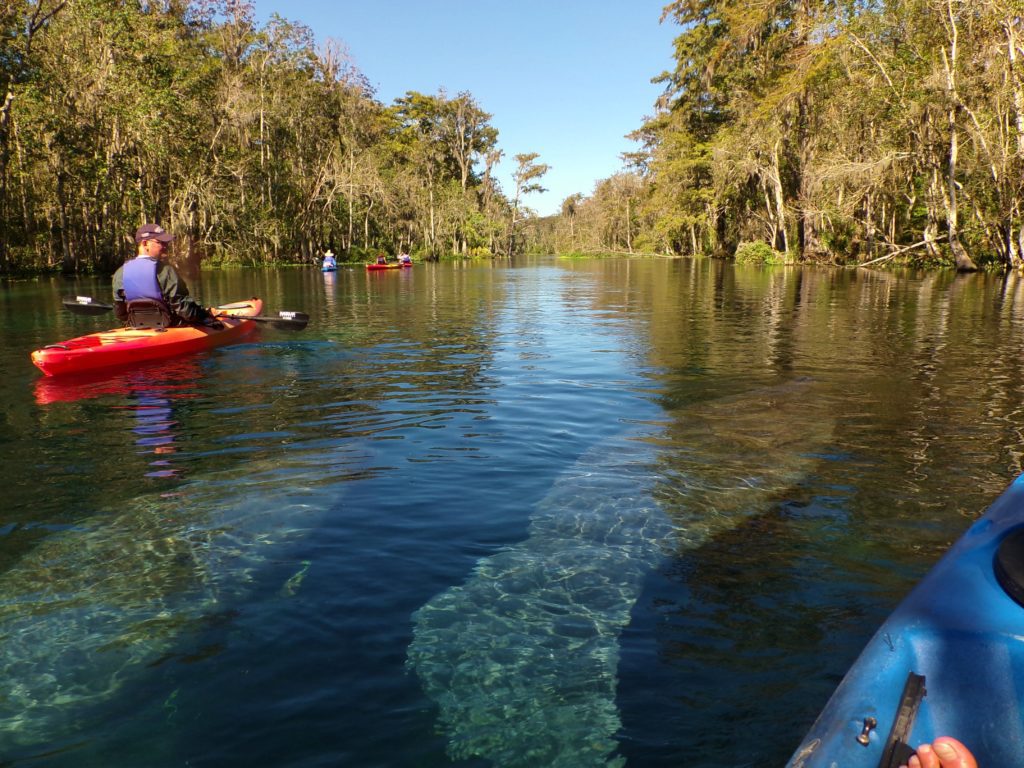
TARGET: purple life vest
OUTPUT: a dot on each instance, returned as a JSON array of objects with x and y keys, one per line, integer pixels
[{"x": 140, "y": 280}]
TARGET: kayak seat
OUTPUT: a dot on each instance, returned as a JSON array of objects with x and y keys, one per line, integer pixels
[
  {"x": 1009, "y": 564},
  {"x": 149, "y": 314}
]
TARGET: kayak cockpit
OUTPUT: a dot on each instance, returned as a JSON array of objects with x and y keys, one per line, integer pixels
[{"x": 1009, "y": 564}]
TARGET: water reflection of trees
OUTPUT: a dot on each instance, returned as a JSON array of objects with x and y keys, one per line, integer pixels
[{"x": 804, "y": 537}]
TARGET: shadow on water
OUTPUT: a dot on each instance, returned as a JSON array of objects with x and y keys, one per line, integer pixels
[
  {"x": 522, "y": 659},
  {"x": 90, "y": 605},
  {"x": 121, "y": 586},
  {"x": 200, "y": 487},
  {"x": 737, "y": 643}
]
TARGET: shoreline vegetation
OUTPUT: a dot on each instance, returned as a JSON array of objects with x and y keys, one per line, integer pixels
[{"x": 798, "y": 131}]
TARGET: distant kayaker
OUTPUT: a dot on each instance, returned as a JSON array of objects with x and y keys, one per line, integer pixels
[
  {"x": 404, "y": 258},
  {"x": 329, "y": 261},
  {"x": 944, "y": 752},
  {"x": 382, "y": 258},
  {"x": 148, "y": 291}
]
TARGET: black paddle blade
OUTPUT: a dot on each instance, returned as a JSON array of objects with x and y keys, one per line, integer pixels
[
  {"x": 287, "y": 321},
  {"x": 85, "y": 305}
]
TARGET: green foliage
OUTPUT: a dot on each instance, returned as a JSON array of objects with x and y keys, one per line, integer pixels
[
  {"x": 359, "y": 255},
  {"x": 838, "y": 237},
  {"x": 809, "y": 126},
  {"x": 251, "y": 143},
  {"x": 816, "y": 126},
  {"x": 758, "y": 253},
  {"x": 647, "y": 242}
]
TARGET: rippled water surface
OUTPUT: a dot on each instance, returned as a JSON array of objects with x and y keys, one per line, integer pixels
[{"x": 565, "y": 513}]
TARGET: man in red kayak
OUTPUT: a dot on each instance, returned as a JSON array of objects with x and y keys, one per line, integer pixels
[{"x": 148, "y": 292}]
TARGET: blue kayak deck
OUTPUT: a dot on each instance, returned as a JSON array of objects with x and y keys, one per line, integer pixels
[{"x": 959, "y": 629}]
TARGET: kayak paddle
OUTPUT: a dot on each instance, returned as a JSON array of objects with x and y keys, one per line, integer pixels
[
  {"x": 285, "y": 320},
  {"x": 84, "y": 305}
]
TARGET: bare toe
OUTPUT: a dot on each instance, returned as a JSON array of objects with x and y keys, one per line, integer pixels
[
  {"x": 953, "y": 754},
  {"x": 925, "y": 757}
]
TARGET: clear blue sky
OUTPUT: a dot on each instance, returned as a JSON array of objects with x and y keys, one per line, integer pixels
[{"x": 567, "y": 79}]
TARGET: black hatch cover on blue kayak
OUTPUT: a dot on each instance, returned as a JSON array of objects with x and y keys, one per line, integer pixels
[{"x": 1009, "y": 564}]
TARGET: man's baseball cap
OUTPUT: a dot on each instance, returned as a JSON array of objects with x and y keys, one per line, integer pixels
[{"x": 153, "y": 232}]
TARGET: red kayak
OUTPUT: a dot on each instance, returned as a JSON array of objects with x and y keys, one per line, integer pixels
[
  {"x": 121, "y": 347},
  {"x": 387, "y": 266}
]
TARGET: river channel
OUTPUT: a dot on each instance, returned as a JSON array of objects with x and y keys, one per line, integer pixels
[{"x": 606, "y": 512}]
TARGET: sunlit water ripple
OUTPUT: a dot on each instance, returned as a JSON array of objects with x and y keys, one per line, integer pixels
[{"x": 572, "y": 514}]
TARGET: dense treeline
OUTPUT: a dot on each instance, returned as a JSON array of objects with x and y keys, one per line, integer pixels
[
  {"x": 827, "y": 130},
  {"x": 842, "y": 131},
  {"x": 251, "y": 143}
]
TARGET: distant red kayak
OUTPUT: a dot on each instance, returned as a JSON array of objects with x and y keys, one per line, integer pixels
[
  {"x": 387, "y": 266},
  {"x": 121, "y": 347}
]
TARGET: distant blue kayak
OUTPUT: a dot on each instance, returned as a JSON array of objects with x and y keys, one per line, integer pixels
[
  {"x": 329, "y": 269},
  {"x": 949, "y": 661}
]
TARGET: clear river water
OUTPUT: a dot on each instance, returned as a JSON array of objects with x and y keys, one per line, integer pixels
[{"x": 552, "y": 513}]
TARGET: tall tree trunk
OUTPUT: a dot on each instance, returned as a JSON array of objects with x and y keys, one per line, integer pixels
[
  {"x": 512, "y": 229},
  {"x": 433, "y": 230},
  {"x": 265, "y": 186},
  {"x": 962, "y": 261},
  {"x": 67, "y": 257},
  {"x": 1015, "y": 83},
  {"x": 1017, "y": 87},
  {"x": 512, "y": 224},
  {"x": 807, "y": 225},
  {"x": 931, "y": 228},
  {"x": 781, "y": 240},
  {"x": 366, "y": 225},
  {"x": 629, "y": 227},
  {"x": 351, "y": 194},
  {"x": 869, "y": 224}
]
